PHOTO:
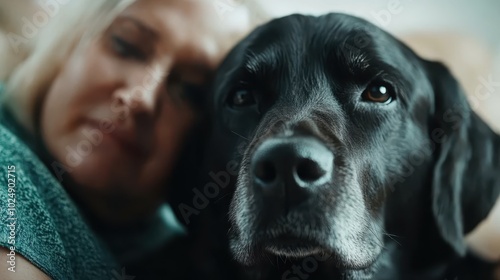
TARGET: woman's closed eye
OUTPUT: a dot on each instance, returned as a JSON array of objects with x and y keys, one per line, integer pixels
[
  {"x": 182, "y": 88},
  {"x": 126, "y": 49}
]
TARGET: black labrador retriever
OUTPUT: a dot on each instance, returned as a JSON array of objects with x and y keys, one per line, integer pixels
[{"x": 352, "y": 157}]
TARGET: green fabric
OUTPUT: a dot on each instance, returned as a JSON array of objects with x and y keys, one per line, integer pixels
[{"x": 49, "y": 230}]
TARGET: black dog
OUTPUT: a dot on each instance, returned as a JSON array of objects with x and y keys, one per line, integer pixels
[{"x": 357, "y": 159}]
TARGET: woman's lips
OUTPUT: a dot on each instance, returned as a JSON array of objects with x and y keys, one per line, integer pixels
[
  {"x": 128, "y": 144},
  {"x": 125, "y": 139}
]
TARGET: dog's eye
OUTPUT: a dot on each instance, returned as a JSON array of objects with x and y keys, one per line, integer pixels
[
  {"x": 241, "y": 98},
  {"x": 378, "y": 92}
]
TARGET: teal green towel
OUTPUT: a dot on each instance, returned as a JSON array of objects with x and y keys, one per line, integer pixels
[{"x": 38, "y": 217}]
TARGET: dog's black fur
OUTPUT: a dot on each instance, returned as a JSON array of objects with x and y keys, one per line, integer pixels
[{"x": 410, "y": 176}]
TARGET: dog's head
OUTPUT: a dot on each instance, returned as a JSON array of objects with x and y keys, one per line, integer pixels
[{"x": 334, "y": 115}]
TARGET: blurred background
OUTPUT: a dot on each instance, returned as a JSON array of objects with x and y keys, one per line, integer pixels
[{"x": 478, "y": 18}]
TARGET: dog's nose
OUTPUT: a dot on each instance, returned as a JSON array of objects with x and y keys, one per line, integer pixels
[{"x": 291, "y": 168}]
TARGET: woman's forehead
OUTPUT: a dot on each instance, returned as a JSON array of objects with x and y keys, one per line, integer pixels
[
  {"x": 167, "y": 16},
  {"x": 190, "y": 27}
]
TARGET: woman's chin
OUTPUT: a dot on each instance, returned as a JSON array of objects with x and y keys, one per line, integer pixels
[{"x": 103, "y": 173}]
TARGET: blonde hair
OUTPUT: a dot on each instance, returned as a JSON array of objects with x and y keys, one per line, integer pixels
[{"x": 74, "y": 23}]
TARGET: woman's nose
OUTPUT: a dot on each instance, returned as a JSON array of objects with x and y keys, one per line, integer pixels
[{"x": 144, "y": 90}]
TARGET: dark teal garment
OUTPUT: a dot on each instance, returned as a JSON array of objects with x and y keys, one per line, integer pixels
[{"x": 48, "y": 227}]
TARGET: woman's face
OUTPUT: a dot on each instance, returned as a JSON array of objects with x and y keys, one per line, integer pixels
[{"x": 118, "y": 111}]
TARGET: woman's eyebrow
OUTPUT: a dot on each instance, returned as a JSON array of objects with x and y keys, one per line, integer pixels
[{"x": 147, "y": 30}]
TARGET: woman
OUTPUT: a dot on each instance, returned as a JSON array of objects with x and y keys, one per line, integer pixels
[{"x": 92, "y": 121}]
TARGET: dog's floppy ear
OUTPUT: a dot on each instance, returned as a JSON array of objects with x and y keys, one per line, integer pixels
[{"x": 466, "y": 179}]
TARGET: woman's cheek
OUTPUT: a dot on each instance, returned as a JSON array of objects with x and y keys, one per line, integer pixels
[{"x": 174, "y": 129}]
